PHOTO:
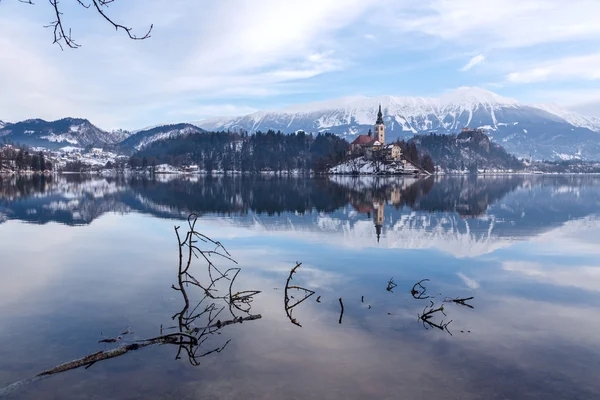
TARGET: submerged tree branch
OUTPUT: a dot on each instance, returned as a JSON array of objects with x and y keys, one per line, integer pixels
[
  {"x": 189, "y": 338},
  {"x": 286, "y": 299}
]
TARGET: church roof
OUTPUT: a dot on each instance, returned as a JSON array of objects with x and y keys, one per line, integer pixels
[{"x": 363, "y": 139}]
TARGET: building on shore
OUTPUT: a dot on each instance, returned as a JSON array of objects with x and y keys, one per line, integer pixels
[{"x": 374, "y": 141}]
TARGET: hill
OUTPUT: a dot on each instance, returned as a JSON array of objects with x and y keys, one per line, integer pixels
[
  {"x": 270, "y": 151},
  {"x": 145, "y": 137},
  {"x": 468, "y": 150},
  {"x": 63, "y": 132}
]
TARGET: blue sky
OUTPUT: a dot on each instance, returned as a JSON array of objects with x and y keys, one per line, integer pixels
[{"x": 208, "y": 58}]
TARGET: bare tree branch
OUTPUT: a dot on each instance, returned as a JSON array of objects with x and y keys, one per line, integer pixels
[
  {"x": 62, "y": 35},
  {"x": 286, "y": 300}
]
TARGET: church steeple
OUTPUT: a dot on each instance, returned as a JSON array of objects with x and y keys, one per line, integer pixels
[
  {"x": 379, "y": 127},
  {"x": 379, "y": 116}
]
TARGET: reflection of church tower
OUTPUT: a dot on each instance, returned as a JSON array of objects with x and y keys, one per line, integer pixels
[
  {"x": 380, "y": 127},
  {"x": 378, "y": 216}
]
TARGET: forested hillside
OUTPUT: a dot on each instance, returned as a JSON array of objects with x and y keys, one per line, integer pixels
[
  {"x": 467, "y": 150},
  {"x": 274, "y": 151}
]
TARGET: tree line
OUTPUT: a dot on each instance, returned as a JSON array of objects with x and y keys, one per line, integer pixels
[
  {"x": 22, "y": 159},
  {"x": 270, "y": 151},
  {"x": 411, "y": 152}
]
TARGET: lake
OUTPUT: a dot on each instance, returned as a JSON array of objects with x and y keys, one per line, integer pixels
[{"x": 508, "y": 304}]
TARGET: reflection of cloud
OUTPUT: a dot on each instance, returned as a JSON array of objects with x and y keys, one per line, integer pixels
[
  {"x": 576, "y": 236},
  {"x": 583, "y": 277},
  {"x": 413, "y": 231},
  {"x": 531, "y": 321},
  {"x": 470, "y": 283}
]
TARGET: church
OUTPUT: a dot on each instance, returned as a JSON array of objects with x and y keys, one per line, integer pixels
[{"x": 367, "y": 144}]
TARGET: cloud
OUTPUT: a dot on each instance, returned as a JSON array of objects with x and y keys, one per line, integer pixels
[
  {"x": 473, "y": 62},
  {"x": 191, "y": 59},
  {"x": 203, "y": 54},
  {"x": 585, "y": 67},
  {"x": 469, "y": 282},
  {"x": 582, "y": 277},
  {"x": 499, "y": 23}
]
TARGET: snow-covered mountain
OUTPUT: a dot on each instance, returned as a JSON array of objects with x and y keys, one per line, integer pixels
[
  {"x": 2, "y": 124},
  {"x": 60, "y": 133},
  {"x": 545, "y": 131},
  {"x": 144, "y": 137}
]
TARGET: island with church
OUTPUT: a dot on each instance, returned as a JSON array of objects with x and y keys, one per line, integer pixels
[{"x": 371, "y": 155}]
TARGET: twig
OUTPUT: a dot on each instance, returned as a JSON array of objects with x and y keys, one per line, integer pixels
[
  {"x": 342, "y": 310},
  {"x": 420, "y": 293},
  {"x": 459, "y": 301},
  {"x": 391, "y": 285},
  {"x": 286, "y": 299},
  {"x": 428, "y": 313}
]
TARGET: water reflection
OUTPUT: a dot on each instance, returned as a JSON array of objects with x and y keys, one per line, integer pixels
[
  {"x": 197, "y": 322},
  {"x": 462, "y": 215},
  {"x": 532, "y": 267}
]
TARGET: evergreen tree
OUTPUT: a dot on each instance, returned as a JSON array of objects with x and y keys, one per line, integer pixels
[
  {"x": 20, "y": 160},
  {"x": 412, "y": 153},
  {"x": 227, "y": 161},
  {"x": 427, "y": 163},
  {"x": 42, "y": 161},
  {"x": 35, "y": 163}
]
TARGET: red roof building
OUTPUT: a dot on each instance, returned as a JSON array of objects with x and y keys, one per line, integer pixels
[{"x": 363, "y": 140}]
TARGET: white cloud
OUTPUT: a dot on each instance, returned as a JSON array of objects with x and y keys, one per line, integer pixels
[
  {"x": 198, "y": 51},
  {"x": 469, "y": 282},
  {"x": 473, "y": 62},
  {"x": 583, "y": 277},
  {"x": 204, "y": 54},
  {"x": 500, "y": 23},
  {"x": 585, "y": 67}
]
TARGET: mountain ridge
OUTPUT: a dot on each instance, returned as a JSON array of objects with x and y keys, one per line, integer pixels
[
  {"x": 59, "y": 133},
  {"x": 538, "y": 131},
  {"x": 523, "y": 129}
]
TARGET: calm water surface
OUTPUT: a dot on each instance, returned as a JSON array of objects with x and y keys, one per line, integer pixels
[{"x": 85, "y": 259}]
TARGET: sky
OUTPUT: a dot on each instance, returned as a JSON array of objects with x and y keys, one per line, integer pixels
[{"x": 223, "y": 58}]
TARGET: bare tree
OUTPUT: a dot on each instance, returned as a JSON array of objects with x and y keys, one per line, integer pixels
[{"x": 62, "y": 34}]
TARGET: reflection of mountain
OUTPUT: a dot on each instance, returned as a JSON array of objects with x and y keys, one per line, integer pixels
[{"x": 461, "y": 215}]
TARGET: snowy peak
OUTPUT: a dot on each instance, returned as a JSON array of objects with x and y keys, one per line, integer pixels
[
  {"x": 145, "y": 137},
  {"x": 463, "y": 96},
  {"x": 59, "y": 133},
  {"x": 473, "y": 97},
  {"x": 545, "y": 132},
  {"x": 592, "y": 123}
]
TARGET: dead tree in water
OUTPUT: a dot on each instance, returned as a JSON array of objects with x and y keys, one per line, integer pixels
[
  {"x": 195, "y": 325},
  {"x": 286, "y": 299}
]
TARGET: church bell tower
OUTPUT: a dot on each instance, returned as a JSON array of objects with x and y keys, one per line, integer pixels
[{"x": 380, "y": 127}]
